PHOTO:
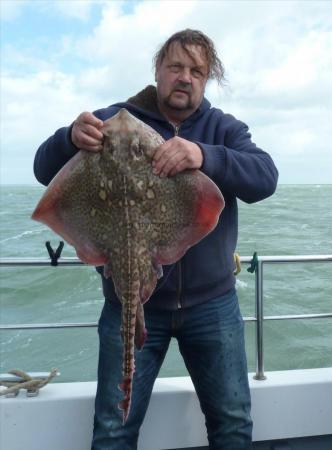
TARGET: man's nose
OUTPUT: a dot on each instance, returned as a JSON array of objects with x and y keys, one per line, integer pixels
[{"x": 185, "y": 75}]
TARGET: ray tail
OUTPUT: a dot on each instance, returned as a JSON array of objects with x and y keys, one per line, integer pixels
[{"x": 128, "y": 368}]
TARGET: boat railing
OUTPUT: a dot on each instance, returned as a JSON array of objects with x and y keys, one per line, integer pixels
[{"x": 257, "y": 263}]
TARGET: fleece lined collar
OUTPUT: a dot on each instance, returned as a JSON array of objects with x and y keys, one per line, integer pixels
[
  {"x": 146, "y": 99},
  {"x": 146, "y": 102}
]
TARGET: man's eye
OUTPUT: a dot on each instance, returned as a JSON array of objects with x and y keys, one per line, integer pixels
[
  {"x": 175, "y": 68},
  {"x": 197, "y": 73}
]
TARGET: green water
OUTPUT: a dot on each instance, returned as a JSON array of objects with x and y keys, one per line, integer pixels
[{"x": 296, "y": 220}]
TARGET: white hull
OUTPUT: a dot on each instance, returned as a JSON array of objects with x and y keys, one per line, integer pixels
[{"x": 288, "y": 404}]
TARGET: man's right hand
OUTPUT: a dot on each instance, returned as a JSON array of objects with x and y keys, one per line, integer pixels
[{"x": 86, "y": 134}]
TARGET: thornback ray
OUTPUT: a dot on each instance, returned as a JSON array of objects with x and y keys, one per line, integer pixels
[{"x": 115, "y": 212}]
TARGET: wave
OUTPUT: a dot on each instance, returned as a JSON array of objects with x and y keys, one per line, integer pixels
[
  {"x": 241, "y": 284},
  {"x": 25, "y": 233}
]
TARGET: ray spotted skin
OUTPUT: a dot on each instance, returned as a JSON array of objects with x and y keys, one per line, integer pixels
[{"x": 116, "y": 212}]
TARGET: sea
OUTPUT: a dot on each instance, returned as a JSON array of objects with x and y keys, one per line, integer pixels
[{"x": 296, "y": 220}]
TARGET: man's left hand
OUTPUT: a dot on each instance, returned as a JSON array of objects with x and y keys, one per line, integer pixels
[{"x": 175, "y": 155}]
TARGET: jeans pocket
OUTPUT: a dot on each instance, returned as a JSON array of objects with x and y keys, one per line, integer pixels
[{"x": 227, "y": 310}]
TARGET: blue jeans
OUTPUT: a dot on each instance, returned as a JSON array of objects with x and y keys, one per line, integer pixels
[{"x": 211, "y": 341}]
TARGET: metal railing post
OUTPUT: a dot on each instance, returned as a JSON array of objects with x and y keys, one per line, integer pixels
[{"x": 259, "y": 321}]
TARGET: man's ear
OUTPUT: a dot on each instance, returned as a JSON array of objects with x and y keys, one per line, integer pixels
[{"x": 156, "y": 70}]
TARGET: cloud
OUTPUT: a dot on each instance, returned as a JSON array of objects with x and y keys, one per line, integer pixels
[
  {"x": 126, "y": 43},
  {"x": 305, "y": 65},
  {"x": 278, "y": 65},
  {"x": 78, "y": 9},
  {"x": 75, "y": 9},
  {"x": 11, "y": 10}
]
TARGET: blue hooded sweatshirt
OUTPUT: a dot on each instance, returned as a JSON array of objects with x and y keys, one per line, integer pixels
[{"x": 238, "y": 167}]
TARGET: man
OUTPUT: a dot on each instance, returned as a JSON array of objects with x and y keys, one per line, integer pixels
[{"x": 195, "y": 301}]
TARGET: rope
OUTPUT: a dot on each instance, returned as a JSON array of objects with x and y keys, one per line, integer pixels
[
  {"x": 237, "y": 264},
  {"x": 26, "y": 382}
]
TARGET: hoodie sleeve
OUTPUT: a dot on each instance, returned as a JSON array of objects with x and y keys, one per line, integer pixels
[
  {"x": 58, "y": 149},
  {"x": 53, "y": 154},
  {"x": 239, "y": 166}
]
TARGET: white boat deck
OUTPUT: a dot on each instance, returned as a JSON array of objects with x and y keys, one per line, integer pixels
[{"x": 288, "y": 404}]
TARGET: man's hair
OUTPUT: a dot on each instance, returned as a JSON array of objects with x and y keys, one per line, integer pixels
[{"x": 194, "y": 37}]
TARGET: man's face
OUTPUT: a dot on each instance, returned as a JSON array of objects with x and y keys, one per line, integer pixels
[{"x": 181, "y": 78}]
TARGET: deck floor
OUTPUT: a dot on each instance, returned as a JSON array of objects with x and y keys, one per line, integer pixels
[{"x": 309, "y": 443}]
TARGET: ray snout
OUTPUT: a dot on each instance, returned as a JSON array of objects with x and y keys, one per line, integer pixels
[{"x": 121, "y": 122}]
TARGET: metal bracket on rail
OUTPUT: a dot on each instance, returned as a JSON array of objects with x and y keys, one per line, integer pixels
[
  {"x": 253, "y": 263},
  {"x": 54, "y": 255}
]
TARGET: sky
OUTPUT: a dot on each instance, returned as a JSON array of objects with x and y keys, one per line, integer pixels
[{"x": 62, "y": 57}]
